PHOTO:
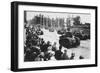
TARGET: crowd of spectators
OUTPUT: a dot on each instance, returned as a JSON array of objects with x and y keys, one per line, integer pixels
[{"x": 36, "y": 49}]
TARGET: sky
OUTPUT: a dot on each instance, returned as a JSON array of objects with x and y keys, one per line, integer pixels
[{"x": 85, "y": 18}]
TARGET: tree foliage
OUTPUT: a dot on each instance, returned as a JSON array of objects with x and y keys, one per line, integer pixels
[{"x": 76, "y": 20}]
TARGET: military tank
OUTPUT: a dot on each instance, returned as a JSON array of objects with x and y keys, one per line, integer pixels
[{"x": 69, "y": 42}]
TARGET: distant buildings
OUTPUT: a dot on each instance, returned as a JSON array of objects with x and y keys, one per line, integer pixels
[{"x": 57, "y": 22}]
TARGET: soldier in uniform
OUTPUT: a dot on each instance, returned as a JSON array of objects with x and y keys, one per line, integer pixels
[{"x": 68, "y": 33}]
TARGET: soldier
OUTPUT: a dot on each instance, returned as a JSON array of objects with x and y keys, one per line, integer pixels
[{"x": 68, "y": 33}]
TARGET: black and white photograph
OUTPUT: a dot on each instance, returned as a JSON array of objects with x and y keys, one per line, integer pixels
[{"x": 56, "y": 36}]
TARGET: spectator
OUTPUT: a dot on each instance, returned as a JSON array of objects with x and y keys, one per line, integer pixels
[
  {"x": 58, "y": 54},
  {"x": 72, "y": 56},
  {"x": 81, "y": 57},
  {"x": 54, "y": 48},
  {"x": 65, "y": 55}
]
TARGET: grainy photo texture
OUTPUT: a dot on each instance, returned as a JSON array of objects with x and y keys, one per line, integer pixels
[{"x": 56, "y": 36}]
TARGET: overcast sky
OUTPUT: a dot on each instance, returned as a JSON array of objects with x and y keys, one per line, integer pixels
[{"x": 85, "y": 18}]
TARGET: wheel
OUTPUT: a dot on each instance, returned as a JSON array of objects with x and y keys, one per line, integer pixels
[
  {"x": 66, "y": 42},
  {"x": 77, "y": 41}
]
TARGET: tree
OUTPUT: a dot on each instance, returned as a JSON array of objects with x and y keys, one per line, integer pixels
[{"x": 76, "y": 20}]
